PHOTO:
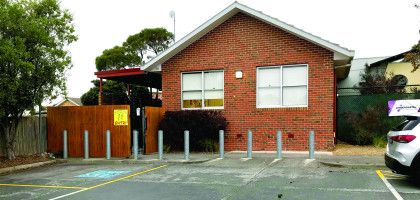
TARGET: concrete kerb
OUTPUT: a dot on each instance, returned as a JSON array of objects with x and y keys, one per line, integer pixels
[
  {"x": 131, "y": 161},
  {"x": 26, "y": 166},
  {"x": 349, "y": 165}
]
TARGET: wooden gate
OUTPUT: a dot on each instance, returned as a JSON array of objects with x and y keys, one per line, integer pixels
[
  {"x": 153, "y": 117},
  {"x": 95, "y": 119}
]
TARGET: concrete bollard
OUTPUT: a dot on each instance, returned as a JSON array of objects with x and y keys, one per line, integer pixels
[
  {"x": 65, "y": 147},
  {"x": 160, "y": 144},
  {"x": 86, "y": 144},
  {"x": 186, "y": 145},
  {"x": 279, "y": 144},
  {"x": 249, "y": 149},
  {"x": 311, "y": 144},
  {"x": 222, "y": 143},
  {"x": 108, "y": 144},
  {"x": 135, "y": 144}
]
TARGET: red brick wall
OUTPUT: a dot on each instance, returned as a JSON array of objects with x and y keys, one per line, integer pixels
[{"x": 243, "y": 43}]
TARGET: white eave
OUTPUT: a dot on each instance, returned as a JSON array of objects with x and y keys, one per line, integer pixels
[{"x": 340, "y": 53}]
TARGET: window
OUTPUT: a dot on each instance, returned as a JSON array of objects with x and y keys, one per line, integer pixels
[
  {"x": 282, "y": 86},
  {"x": 202, "y": 89}
]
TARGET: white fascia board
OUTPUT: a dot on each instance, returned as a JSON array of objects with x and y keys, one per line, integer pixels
[{"x": 339, "y": 52}]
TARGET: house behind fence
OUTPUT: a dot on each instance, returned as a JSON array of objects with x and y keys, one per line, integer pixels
[{"x": 30, "y": 138}]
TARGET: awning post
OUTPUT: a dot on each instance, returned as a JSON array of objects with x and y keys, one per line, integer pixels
[{"x": 100, "y": 92}]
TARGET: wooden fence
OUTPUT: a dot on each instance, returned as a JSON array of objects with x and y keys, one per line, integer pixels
[
  {"x": 95, "y": 119},
  {"x": 29, "y": 139}
]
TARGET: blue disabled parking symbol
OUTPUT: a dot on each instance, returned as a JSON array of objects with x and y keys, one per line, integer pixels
[{"x": 103, "y": 174}]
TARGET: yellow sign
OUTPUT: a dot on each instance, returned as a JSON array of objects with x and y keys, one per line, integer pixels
[{"x": 120, "y": 117}]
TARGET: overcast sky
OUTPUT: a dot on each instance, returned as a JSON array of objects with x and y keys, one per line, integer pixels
[{"x": 370, "y": 27}]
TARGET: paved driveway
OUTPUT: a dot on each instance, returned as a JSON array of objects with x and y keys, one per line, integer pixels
[{"x": 231, "y": 178}]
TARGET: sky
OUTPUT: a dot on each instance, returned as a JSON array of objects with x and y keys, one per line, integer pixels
[{"x": 369, "y": 27}]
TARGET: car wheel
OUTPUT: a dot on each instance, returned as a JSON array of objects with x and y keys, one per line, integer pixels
[{"x": 415, "y": 167}]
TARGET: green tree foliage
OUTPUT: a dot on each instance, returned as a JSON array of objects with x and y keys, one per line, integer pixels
[
  {"x": 113, "y": 93},
  {"x": 116, "y": 58},
  {"x": 148, "y": 42},
  {"x": 371, "y": 83},
  {"x": 33, "y": 58},
  {"x": 133, "y": 52}
]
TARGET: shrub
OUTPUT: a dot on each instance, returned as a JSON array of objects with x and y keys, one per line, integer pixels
[
  {"x": 372, "y": 123},
  {"x": 379, "y": 141},
  {"x": 204, "y": 126}
]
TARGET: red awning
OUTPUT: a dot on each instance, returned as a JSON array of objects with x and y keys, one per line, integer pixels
[{"x": 134, "y": 76}]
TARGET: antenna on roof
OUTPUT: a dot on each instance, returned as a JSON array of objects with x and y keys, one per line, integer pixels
[{"x": 172, "y": 15}]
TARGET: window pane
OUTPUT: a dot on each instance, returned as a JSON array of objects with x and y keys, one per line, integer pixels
[
  {"x": 268, "y": 77},
  {"x": 191, "y": 100},
  {"x": 191, "y": 95},
  {"x": 295, "y": 96},
  {"x": 213, "y": 98},
  {"x": 191, "y": 81},
  {"x": 295, "y": 75},
  {"x": 213, "y": 80},
  {"x": 268, "y": 97}
]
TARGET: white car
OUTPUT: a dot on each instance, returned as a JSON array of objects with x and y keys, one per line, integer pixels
[{"x": 403, "y": 149}]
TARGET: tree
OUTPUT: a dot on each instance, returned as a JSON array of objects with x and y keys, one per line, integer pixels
[
  {"x": 371, "y": 83},
  {"x": 148, "y": 42},
  {"x": 116, "y": 58},
  {"x": 33, "y": 58},
  {"x": 414, "y": 56},
  {"x": 157, "y": 39}
]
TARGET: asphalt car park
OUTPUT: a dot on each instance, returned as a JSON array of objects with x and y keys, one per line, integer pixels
[{"x": 230, "y": 178}]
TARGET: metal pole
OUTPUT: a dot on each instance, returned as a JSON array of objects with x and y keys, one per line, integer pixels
[
  {"x": 186, "y": 145},
  {"x": 222, "y": 143},
  {"x": 160, "y": 144},
  {"x": 135, "y": 144},
  {"x": 311, "y": 144},
  {"x": 65, "y": 148},
  {"x": 279, "y": 143},
  {"x": 86, "y": 144},
  {"x": 108, "y": 144},
  {"x": 249, "y": 152},
  {"x": 143, "y": 130}
]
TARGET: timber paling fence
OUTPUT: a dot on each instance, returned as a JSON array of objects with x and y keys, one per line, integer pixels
[{"x": 29, "y": 139}]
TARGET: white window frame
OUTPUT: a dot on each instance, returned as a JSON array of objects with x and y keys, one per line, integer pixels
[
  {"x": 203, "y": 107},
  {"x": 282, "y": 86}
]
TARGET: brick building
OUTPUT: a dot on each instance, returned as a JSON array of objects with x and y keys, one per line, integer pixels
[{"x": 261, "y": 73}]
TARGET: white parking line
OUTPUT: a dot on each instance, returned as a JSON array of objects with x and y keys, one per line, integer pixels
[
  {"x": 274, "y": 161},
  {"x": 308, "y": 161},
  {"x": 389, "y": 186}
]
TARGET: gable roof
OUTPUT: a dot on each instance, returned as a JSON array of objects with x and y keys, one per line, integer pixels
[
  {"x": 340, "y": 53},
  {"x": 389, "y": 59},
  {"x": 75, "y": 101}
]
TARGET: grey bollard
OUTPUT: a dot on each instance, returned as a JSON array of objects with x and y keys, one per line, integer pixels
[
  {"x": 108, "y": 144},
  {"x": 86, "y": 144},
  {"x": 186, "y": 145},
  {"x": 249, "y": 149},
  {"x": 311, "y": 144},
  {"x": 222, "y": 143},
  {"x": 279, "y": 144},
  {"x": 160, "y": 144},
  {"x": 65, "y": 147},
  {"x": 135, "y": 144}
]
